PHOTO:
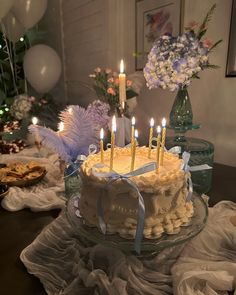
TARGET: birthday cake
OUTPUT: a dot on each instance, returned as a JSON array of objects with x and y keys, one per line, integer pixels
[{"x": 164, "y": 193}]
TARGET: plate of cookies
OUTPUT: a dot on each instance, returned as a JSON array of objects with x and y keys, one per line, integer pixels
[{"x": 22, "y": 174}]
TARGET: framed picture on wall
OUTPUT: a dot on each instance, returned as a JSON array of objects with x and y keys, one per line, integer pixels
[
  {"x": 231, "y": 59},
  {"x": 153, "y": 19}
]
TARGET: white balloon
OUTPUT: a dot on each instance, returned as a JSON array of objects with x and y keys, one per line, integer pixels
[
  {"x": 5, "y": 6},
  {"x": 42, "y": 67},
  {"x": 13, "y": 29},
  {"x": 29, "y": 12}
]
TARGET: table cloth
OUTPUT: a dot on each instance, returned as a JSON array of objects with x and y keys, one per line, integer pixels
[
  {"x": 47, "y": 194},
  {"x": 207, "y": 264}
]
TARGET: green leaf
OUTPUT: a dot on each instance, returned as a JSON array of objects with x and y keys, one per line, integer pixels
[
  {"x": 201, "y": 34},
  {"x": 206, "y": 20},
  {"x": 216, "y": 44}
]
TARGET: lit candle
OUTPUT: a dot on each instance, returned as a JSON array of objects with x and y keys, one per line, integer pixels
[
  {"x": 163, "y": 140},
  {"x": 122, "y": 84},
  {"x": 60, "y": 127},
  {"x": 134, "y": 149},
  {"x": 150, "y": 137},
  {"x": 113, "y": 138},
  {"x": 132, "y": 132},
  {"x": 36, "y": 134},
  {"x": 70, "y": 110},
  {"x": 101, "y": 144},
  {"x": 158, "y": 145}
]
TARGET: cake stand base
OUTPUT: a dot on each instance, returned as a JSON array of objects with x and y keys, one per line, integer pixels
[{"x": 91, "y": 235}]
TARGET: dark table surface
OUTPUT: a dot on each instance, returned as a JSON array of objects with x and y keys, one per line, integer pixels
[{"x": 19, "y": 229}]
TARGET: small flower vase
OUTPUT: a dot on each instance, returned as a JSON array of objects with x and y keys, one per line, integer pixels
[
  {"x": 72, "y": 179},
  {"x": 181, "y": 115}
]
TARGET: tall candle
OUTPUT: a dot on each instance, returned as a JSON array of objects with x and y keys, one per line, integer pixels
[
  {"x": 158, "y": 145},
  {"x": 163, "y": 140},
  {"x": 101, "y": 144},
  {"x": 60, "y": 127},
  {"x": 113, "y": 138},
  {"x": 36, "y": 134},
  {"x": 134, "y": 149},
  {"x": 150, "y": 137},
  {"x": 122, "y": 84},
  {"x": 132, "y": 127}
]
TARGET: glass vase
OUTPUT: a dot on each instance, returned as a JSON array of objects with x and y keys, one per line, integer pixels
[
  {"x": 181, "y": 114},
  {"x": 201, "y": 151},
  {"x": 72, "y": 179}
]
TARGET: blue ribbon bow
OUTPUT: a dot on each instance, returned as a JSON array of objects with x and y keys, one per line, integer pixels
[
  {"x": 187, "y": 168},
  {"x": 114, "y": 176}
]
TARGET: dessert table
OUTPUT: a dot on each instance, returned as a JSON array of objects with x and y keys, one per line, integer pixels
[{"x": 19, "y": 229}]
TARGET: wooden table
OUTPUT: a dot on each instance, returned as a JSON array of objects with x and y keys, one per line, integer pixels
[{"x": 19, "y": 229}]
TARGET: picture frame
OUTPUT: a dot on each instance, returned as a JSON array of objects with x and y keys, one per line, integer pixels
[
  {"x": 153, "y": 19},
  {"x": 231, "y": 57}
]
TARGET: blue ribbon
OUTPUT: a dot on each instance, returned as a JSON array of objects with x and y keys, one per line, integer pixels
[
  {"x": 75, "y": 166},
  {"x": 187, "y": 168},
  {"x": 114, "y": 176}
]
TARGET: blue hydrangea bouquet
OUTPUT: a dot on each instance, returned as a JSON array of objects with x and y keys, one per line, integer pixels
[{"x": 174, "y": 61}]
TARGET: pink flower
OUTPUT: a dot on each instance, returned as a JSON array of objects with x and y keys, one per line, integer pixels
[
  {"x": 117, "y": 81},
  {"x": 111, "y": 91},
  {"x": 108, "y": 71},
  {"x": 43, "y": 101},
  {"x": 192, "y": 25},
  {"x": 207, "y": 43},
  {"x": 110, "y": 80},
  {"x": 97, "y": 70},
  {"x": 92, "y": 75},
  {"x": 129, "y": 83},
  {"x": 32, "y": 99}
]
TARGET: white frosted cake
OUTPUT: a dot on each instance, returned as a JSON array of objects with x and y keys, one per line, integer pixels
[{"x": 164, "y": 193}]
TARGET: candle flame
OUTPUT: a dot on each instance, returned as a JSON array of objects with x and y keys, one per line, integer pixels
[
  {"x": 35, "y": 120},
  {"x": 122, "y": 67},
  {"x": 136, "y": 133},
  {"x": 61, "y": 127},
  {"x": 133, "y": 121},
  {"x": 113, "y": 124},
  {"x": 151, "y": 122},
  {"x": 102, "y": 134},
  {"x": 158, "y": 129},
  {"x": 163, "y": 122}
]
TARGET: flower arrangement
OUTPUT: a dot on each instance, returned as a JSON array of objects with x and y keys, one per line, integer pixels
[
  {"x": 80, "y": 129},
  {"x": 106, "y": 86},
  {"x": 174, "y": 61}
]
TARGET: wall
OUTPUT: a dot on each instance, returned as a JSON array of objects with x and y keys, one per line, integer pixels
[{"x": 51, "y": 24}]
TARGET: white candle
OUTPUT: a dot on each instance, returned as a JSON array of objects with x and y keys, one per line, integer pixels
[
  {"x": 122, "y": 84},
  {"x": 60, "y": 127},
  {"x": 36, "y": 134}
]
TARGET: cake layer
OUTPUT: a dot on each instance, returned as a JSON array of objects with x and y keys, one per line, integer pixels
[{"x": 164, "y": 193}]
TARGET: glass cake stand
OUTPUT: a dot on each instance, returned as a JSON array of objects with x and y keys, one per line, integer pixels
[{"x": 90, "y": 236}]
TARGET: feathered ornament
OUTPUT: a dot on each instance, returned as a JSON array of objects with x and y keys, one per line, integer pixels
[{"x": 80, "y": 130}]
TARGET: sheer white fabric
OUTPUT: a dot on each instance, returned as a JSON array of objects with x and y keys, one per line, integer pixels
[
  {"x": 47, "y": 194},
  {"x": 65, "y": 266}
]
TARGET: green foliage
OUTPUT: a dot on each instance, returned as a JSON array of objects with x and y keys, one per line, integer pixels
[{"x": 203, "y": 27}]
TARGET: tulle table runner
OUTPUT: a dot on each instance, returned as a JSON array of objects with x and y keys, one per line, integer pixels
[
  {"x": 207, "y": 265},
  {"x": 47, "y": 194}
]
